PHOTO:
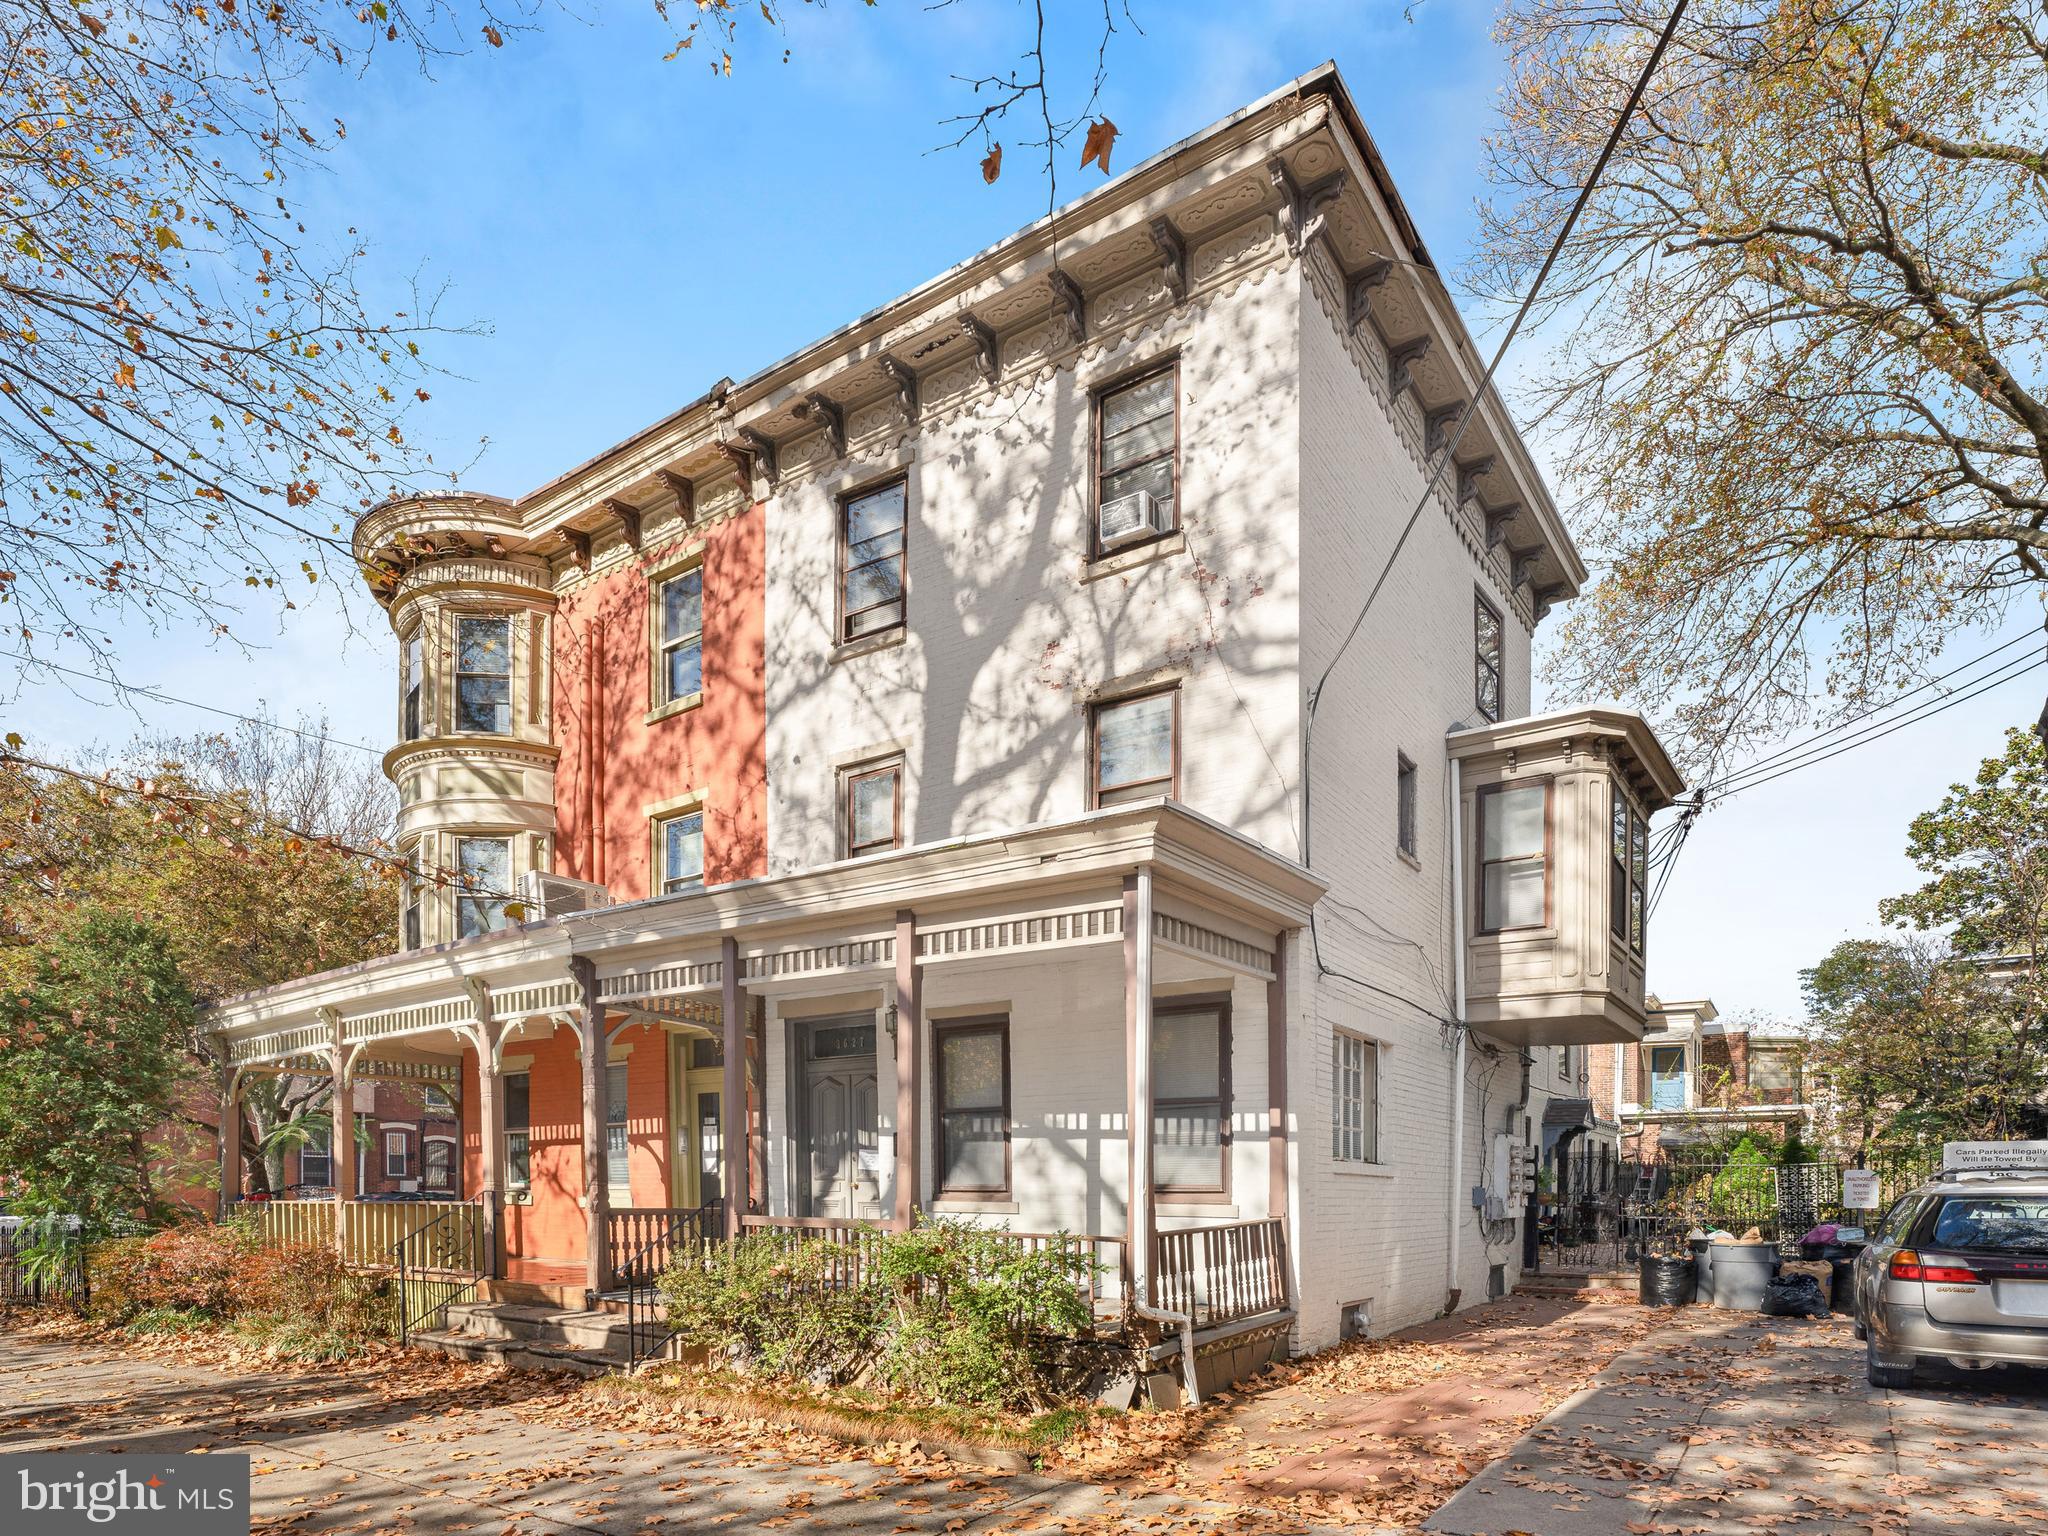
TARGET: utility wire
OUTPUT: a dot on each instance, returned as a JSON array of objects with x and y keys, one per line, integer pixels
[{"x": 1450, "y": 449}]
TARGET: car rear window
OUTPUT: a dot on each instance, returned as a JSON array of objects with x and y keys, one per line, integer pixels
[{"x": 2004, "y": 1223}]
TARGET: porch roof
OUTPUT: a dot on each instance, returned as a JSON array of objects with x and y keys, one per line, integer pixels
[{"x": 839, "y": 916}]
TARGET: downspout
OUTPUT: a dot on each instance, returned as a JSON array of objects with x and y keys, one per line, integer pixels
[
  {"x": 1452, "y": 1290},
  {"x": 1186, "y": 1327}
]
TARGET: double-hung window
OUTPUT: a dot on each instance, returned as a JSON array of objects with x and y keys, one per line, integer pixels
[
  {"x": 1191, "y": 1097},
  {"x": 679, "y": 844},
  {"x": 1628, "y": 871},
  {"x": 396, "y": 1163},
  {"x": 316, "y": 1163},
  {"x": 1486, "y": 661},
  {"x": 483, "y": 674},
  {"x": 1514, "y": 856},
  {"x": 518, "y": 1160},
  {"x": 1137, "y": 454},
  {"x": 437, "y": 1163},
  {"x": 1136, "y": 748},
  {"x": 874, "y": 808},
  {"x": 971, "y": 1090},
  {"x": 681, "y": 638},
  {"x": 485, "y": 865},
  {"x": 617, "y": 1148},
  {"x": 411, "y": 911},
  {"x": 871, "y": 527},
  {"x": 412, "y": 673},
  {"x": 1355, "y": 1085}
]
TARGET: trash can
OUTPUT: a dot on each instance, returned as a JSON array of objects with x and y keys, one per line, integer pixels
[
  {"x": 1842, "y": 1285},
  {"x": 1739, "y": 1273},
  {"x": 1664, "y": 1282},
  {"x": 1702, "y": 1263}
]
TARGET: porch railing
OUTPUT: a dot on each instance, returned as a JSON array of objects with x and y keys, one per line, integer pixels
[
  {"x": 371, "y": 1229},
  {"x": 851, "y": 1243},
  {"x": 670, "y": 1234},
  {"x": 1224, "y": 1274},
  {"x": 290, "y": 1223},
  {"x": 629, "y": 1231},
  {"x": 440, "y": 1262}
]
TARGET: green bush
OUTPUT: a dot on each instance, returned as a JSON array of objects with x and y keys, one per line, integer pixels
[
  {"x": 1746, "y": 1187},
  {"x": 946, "y": 1313}
]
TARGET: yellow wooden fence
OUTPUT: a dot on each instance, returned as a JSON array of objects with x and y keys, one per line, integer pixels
[{"x": 371, "y": 1229}]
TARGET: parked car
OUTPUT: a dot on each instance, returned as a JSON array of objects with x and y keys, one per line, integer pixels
[{"x": 1958, "y": 1271}]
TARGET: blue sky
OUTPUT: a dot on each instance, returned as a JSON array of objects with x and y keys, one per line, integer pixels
[{"x": 630, "y": 230}]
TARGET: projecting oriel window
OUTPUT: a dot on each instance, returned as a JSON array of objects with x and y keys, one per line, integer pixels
[
  {"x": 412, "y": 675},
  {"x": 1486, "y": 664},
  {"x": 485, "y": 865},
  {"x": 871, "y": 528},
  {"x": 483, "y": 674},
  {"x": 1628, "y": 871},
  {"x": 1136, "y": 748},
  {"x": 1514, "y": 853},
  {"x": 682, "y": 636},
  {"x": 679, "y": 844}
]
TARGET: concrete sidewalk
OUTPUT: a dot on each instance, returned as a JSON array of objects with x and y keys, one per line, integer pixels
[
  {"x": 339, "y": 1455},
  {"x": 1737, "y": 1424}
]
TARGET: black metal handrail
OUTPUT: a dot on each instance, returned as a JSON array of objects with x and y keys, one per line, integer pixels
[
  {"x": 648, "y": 1334},
  {"x": 440, "y": 1256}
]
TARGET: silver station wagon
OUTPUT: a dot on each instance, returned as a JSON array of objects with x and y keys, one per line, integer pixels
[{"x": 1958, "y": 1271}]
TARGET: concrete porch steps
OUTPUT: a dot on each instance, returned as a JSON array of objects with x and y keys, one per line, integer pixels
[
  {"x": 1581, "y": 1284},
  {"x": 530, "y": 1336}
]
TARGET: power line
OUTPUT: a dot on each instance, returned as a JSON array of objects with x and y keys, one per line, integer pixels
[{"x": 171, "y": 698}]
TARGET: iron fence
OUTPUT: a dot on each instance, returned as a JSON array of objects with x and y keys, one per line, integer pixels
[{"x": 42, "y": 1261}]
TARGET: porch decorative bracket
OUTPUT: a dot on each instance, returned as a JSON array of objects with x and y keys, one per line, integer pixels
[
  {"x": 1497, "y": 520},
  {"x": 1072, "y": 303},
  {"x": 1358, "y": 292},
  {"x": 1436, "y": 427},
  {"x": 627, "y": 516},
  {"x": 988, "y": 350},
  {"x": 1401, "y": 365},
  {"x": 904, "y": 379},
  {"x": 820, "y": 411},
  {"x": 684, "y": 490},
  {"x": 579, "y": 547},
  {"x": 1173, "y": 256}
]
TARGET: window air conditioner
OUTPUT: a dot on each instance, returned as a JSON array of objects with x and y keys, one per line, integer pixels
[
  {"x": 546, "y": 895},
  {"x": 1129, "y": 518}
]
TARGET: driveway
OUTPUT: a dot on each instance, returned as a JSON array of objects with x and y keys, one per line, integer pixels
[{"x": 1730, "y": 1424}]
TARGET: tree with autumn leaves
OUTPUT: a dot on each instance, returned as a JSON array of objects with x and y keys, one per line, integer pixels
[
  {"x": 1799, "y": 338},
  {"x": 237, "y": 861}
]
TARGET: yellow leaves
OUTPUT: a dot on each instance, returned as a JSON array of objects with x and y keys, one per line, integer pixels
[
  {"x": 992, "y": 164},
  {"x": 124, "y": 376},
  {"x": 1096, "y": 147},
  {"x": 167, "y": 238}
]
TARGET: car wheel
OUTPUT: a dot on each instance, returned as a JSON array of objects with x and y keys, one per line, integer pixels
[{"x": 1891, "y": 1378}]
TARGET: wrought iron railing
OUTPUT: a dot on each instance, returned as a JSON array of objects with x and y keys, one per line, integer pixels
[
  {"x": 677, "y": 1234},
  {"x": 440, "y": 1262},
  {"x": 43, "y": 1260}
]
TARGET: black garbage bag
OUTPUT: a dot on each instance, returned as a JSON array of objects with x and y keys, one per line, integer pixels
[
  {"x": 1794, "y": 1296},
  {"x": 1665, "y": 1282}
]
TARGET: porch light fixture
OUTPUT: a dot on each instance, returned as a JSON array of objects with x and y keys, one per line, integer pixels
[{"x": 889, "y": 1021}]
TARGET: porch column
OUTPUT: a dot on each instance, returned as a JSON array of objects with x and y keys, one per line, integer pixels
[
  {"x": 490, "y": 1127},
  {"x": 596, "y": 1177},
  {"x": 1138, "y": 1224},
  {"x": 732, "y": 1099},
  {"x": 909, "y": 1032},
  {"x": 230, "y": 1140},
  {"x": 1276, "y": 1082},
  {"x": 342, "y": 1145}
]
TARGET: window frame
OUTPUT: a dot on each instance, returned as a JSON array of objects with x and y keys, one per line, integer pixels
[
  {"x": 1498, "y": 666},
  {"x": 1099, "y": 397},
  {"x": 943, "y": 1029},
  {"x": 1369, "y": 1102},
  {"x": 446, "y": 1145},
  {"x": 404, "y": 1154},
  {"x": 1097, "y": 708},
  {"x": 859, "y": 773},
  {"x": 842, "y": 506},
  {"x": 412, "y": 691},
  {"x": 1198, "y": 1194},
  {"x": 664, "y": 643},
  {"x": 412, "y": 913},
  {"x": 504, "y": 619},
  {"x": 1407, "y": 795},
  {"x": 522, "y": 1128},
  {"x": 315, "y": 1146},
  {"x": 1549, "y": 855},
  {"x": 618, "y": 1170},
  {"x": 661, "y": 823},
  {"x": 463, "y": 893},
  {"x": 1627, "y": 874}
]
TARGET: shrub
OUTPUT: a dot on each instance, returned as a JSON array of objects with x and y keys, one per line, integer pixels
[{"x": 776, "y": 1306}]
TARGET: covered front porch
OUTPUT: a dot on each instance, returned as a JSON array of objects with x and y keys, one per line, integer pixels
[{"x": 967, "y": 1031}]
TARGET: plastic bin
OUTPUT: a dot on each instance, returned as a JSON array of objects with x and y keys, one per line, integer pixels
[
  {"x": 1739, "y": 1273},
  {"x": 1702, "y": 1263}
]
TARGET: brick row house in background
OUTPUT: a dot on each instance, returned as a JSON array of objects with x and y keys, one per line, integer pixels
[
  {"x": 874, "y": 789},
  {"x": 1695, "y": 1076}
]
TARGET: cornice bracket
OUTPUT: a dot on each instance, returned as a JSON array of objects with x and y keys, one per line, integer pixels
[
  {"x": 1304, "y": 211},
  {"x": 766, "y": 458},
  {"x": 820, "y": 411},
  {"x": 1401, "y": 363},
  {"x": 579, "y": 546},
  {"x": 901, "y": 375},
  {"x": 1358, "y": 291},
  {"x": 684, "y": 490},
  {"x": 1437, "y": 426},
  {"x": 1066, "y": 293},
  {"x": 1547, "y": 597},
  {"x": 987, "y": 350},
  {"x": 1522, "y": 563},
  {"x": 1497, "y": 520},
  {"x": 1173, "y": 256},
  {"x": 628, "y": 518},
  {"x": 1469, "y": 476}
]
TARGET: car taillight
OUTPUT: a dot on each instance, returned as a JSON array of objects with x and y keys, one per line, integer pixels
[{"x": 1906, "y": 1265}]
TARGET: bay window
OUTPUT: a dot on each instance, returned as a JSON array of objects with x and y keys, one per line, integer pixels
[
  {"x": 485, "y": 867},
  {"x": 1628, "y": 871},
  {"x": 483, "y": 674},
  {"x": 412, "y": 671},
  {"x": 1514, "y": 852}
]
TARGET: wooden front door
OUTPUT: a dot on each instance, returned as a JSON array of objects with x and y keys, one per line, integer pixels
[{"x": 838, "y": 1140}]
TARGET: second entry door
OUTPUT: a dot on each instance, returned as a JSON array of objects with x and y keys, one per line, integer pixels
[{"x": 840, "y": 1135}]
